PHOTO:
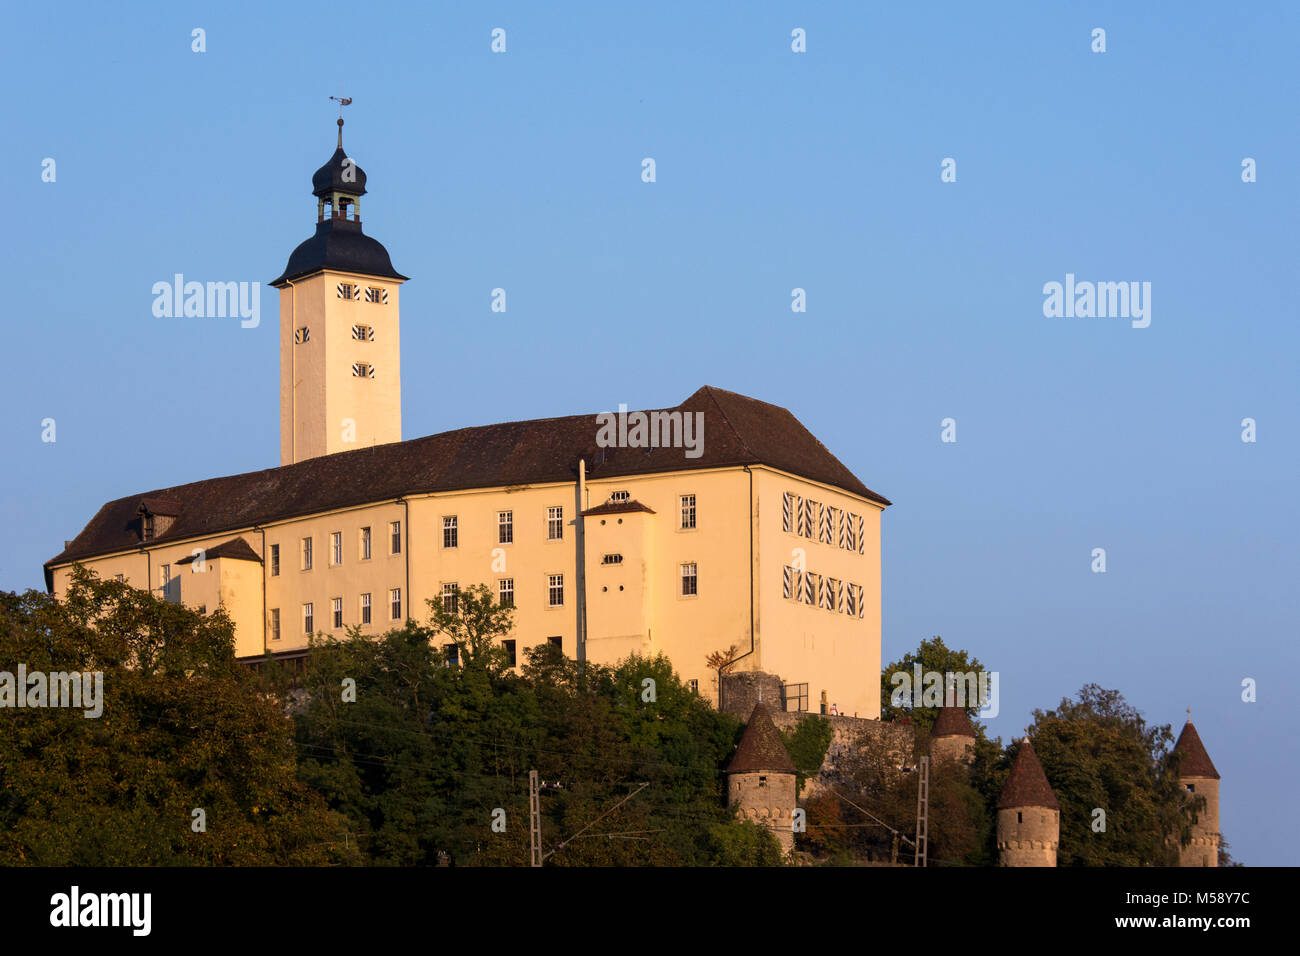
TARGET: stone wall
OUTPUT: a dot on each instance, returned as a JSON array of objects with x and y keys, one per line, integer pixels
[
  {"x": 766, "y": 799},
  {"x": 1028, "y": 836}
]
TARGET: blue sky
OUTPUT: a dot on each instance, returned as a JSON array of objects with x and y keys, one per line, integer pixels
[{"x": 775, "y": 170}]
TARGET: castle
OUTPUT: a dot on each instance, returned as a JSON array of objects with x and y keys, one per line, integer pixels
[{"x": 719, "y": 523}]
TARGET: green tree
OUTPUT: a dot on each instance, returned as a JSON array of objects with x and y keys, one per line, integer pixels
[
  {"x": 1099, "y": 753},
  {"x": 807, "y": 744},
  {"x": 184, "y": 728},
  {"x": 934, "y": 657}
]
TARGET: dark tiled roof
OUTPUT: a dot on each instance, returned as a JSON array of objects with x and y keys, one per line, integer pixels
[
  {"x": 1027, "y": 786},
  {"x": 335, "y": 176},
  {"x": 739, "y": 431},
  {"x": 761, "y": 748},
  {"x": 952, "y": 722},
  {"x": 1196, "y": 762},
  {"x": 167, "y": 507},
  {"x": 339, "y": 244},
  {"x": 618, "y": 508},
  {"x": 235, "y": 548}
]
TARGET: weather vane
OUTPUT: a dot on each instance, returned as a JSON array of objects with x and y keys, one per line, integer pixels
[{"x": 342, "y": 101}]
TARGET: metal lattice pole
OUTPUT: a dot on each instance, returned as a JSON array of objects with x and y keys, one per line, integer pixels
[
  {"x": 923, "y": 812},
  {"x": 534, "y": 820}
]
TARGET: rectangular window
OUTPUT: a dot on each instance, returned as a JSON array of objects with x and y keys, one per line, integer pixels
[
  {"x": 395, "y": 532},
  {"x": 119, "y": 578},
  {"x": 506, "y": 592},
  {"x": 509, "y": 645},
  {"x": 505, "y": 527},
  {"x": 452, "y": 652},
  {"x": 365, "y": 544},
  {"x": 362, "y": 370},
  {"x": 688, "y": 511},
  {"x": 306, "y": 554},
  {"x": 556, "y": 590},
  {"x": 612, "y": 559},
  {"x": 275, "y": 560},
  {"x": 365, "y": 609},
  {"x": 336, "y": 547},
  {"x": 146, "y": 527},
  {"x": 690, "y": 580},
  {"x": 363, "y": 333},
  {"x": 450, "y": 598},
  {"x": 308, "y": 619},
  {"x": 789, "y": 582},
  {"x": 809, "y": 595},
  {"x": 376, "y": 295},
  {"x": 694, "y": 685},
  {"x": 554, "y": 524},
  {"x": 827, "y": 596},
  {"x": 275, "y": 623},
  {"x": 788, "y": 507},
  {"x": 449, "y": 531},
  {"x": 807, "y": 508},
  {"x": 165, "y": 577},
  {"x": 337, "y": 609},
  {"x": 556, "y": 642},
  {"x": 395, "y": 603}
]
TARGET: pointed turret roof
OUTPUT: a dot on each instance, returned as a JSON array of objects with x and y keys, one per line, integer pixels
[
  {"x": 1027, "y": 786},
  {"x": 761, "y": 748},
  {"x": 1196, "y": 762},
  {"x": 952, "y": 722}
]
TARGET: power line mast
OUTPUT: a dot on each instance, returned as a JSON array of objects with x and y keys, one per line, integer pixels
[
  {"x": 923, "y": 813},
  {"x": 534, "y": 821}
]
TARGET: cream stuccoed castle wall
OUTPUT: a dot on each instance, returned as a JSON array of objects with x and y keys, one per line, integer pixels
[{"x": 632, "y": 564}]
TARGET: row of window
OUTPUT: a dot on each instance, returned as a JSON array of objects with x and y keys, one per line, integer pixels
[
  {"x": 829, "y": 525},
  {"x": 823, "y": 591},
  {"x": 361, "y": 333},
  {"x": 364, "y": 612},
  {"x": 347, "y": 290},
  {"x": 306, "y": 548}
]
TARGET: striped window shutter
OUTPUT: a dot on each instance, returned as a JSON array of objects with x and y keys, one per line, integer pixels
[
  {"x": 809, "y": 587},
  {"x": 852, "y": 595},
  {"x": 827, "y": 519},
  {"x": 846, "y": 522},
  {"x": 862, "y": 605},
  {"x": 787, "y": 512},
  {"x": 862, "y": 543},
  {"x": 790, "y": 583},
  {"x": 805, "y": 518}
]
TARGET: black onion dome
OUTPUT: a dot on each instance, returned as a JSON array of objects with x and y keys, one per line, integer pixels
[
  {"x": 330, "y": 177},
  {"x": 339, "y": 244}
]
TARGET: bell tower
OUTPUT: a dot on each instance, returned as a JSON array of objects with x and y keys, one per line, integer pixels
[{"x": 340, "y": 359}]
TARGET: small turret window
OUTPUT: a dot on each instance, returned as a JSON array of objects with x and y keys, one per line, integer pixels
[
  {"x": 347, "y": 290},
  {"x": 362, "y": 370},
  {"x": 363, "y": 333},
  {"x": 762, "y": 781},
  {"x": 302, "y": 335},
  {"x": 378, "y": 296}
]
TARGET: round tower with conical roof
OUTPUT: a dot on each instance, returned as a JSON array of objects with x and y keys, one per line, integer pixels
[
  {"x": 761, "y": 778},
  {"x": 1197, "y": 774},
  {"x": 1029, "y": 816},
  {"x": 953, "y": 736}
]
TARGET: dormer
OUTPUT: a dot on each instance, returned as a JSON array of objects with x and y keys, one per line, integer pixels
[{"x": 155, "y": 516}]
